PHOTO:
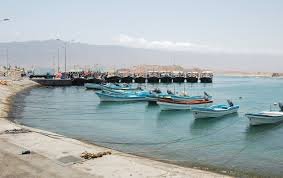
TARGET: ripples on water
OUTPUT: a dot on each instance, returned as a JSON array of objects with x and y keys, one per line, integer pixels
[{"x": 141, "y": 128}]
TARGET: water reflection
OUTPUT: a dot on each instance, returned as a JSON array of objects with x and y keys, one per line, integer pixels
[
  {"x": 200, "y": 126},
  {"x": 255, "y": 132},
  {"x": 171, "y": 117}
]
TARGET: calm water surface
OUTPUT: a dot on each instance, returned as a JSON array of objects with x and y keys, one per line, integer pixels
[{"x": 140, "y": 128}]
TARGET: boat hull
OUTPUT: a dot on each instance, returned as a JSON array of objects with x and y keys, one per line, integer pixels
[
  {"x": 199, "y": 114},
  {"x": 179, "y": 79},
  {"x": 93, "y": 86},
  {"x": 206, "y": 80},
  {"x": 119, "y": 98},
  {"x": 192, "y": 79},
  {"x": 174, "y": 106},
  {"x": 114, "y": 79},
  {"x": 127, "y": 80},
  {"x": 140, "y": 80},
  {"x": 256, "y": 119},
  {"x": 166, "y": 79},
  {"x": 153, "y": 80}
]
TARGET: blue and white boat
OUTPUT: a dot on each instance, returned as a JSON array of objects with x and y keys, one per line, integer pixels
[
  {"x": 155, "y": 96},
  {"x": 215, "y": 111},
  {"x": 266, "y": 117},
  {"x": 110, "y": 96}
]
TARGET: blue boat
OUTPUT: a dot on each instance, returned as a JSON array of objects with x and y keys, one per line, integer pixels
[
  {"x": 155, "y": 96},
  {"x": 190, "y": 98},
  {"x": 121, "y": 96},
  {"x": 215, "y": 110}
]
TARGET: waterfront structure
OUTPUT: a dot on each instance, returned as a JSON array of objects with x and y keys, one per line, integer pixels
[
  {"x": 192, "y": 77},
  {"x": 206, "y": 77}
]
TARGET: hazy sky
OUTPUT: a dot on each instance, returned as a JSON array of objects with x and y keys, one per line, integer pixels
[{"x": 230, "y": 26}]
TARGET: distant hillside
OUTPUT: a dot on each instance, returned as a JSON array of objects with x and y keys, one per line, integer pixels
[{"x": 44, "y": 54}]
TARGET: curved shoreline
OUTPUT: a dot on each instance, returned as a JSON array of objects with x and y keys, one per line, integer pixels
[{"x": 122, "y": 164}]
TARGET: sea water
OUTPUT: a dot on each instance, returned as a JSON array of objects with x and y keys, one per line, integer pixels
[{"x": 228, "y": 143}]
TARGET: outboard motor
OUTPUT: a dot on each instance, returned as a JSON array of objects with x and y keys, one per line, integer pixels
[
  {"x": 230, "y": 103},
  {"x": 281, "y": 106},
  {"x": 169, "y": 92},
  {"x": 206, "y": 96},
  {"x": 156, "y": 90}
]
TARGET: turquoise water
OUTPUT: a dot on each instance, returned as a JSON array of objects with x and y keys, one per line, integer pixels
[{"x": 227, "y": 143}]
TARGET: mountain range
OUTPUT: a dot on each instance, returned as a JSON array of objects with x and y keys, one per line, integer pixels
[{"x": 45, "y": 54}]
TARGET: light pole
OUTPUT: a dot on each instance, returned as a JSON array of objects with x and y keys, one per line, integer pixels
[
  {"x": 7, "y": 51},
  {"x": 7, "y": 58},
  {"x": 65, "y": 49},
  {"x": 58, "y": 57}
]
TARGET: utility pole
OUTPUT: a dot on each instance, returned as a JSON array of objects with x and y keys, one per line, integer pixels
[
  {"x": 65, "y": 58},
  {"x": 7, "y": 58},
  {"x": 58, "y": 60}
]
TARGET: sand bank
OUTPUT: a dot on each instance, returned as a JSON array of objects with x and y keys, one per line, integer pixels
[{"x": 54, "y": 155}]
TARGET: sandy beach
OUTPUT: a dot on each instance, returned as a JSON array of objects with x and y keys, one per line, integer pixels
[{"x": 54, "y": 155}]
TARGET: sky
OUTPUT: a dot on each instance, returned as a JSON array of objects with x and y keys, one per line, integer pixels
[{"x": 206, "y": 26}]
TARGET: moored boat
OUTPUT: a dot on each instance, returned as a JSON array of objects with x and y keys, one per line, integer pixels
[
  {"x": 190, "y": 98},
  {"x": 140, "y": 79},
  {"x": 179, "y": 77},
  {"x": 108, "y": 96},
  {"x": 113, "y": 79},
  {"x": 116, "y": 86},
  {"x": 266, "y": 117},
  {"x": 170, "y": 104},
  {"x": 192, "y": 77},
  {"x": 94, "y": 86},
  {"x": 127, "y": 79},
  {"x": 206, "y": 77},
  {"x": 215, "y": 111}
]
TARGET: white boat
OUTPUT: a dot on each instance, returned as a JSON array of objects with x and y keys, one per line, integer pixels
[
  {"x": 169, "y": 104},
  {"x": 215, "y": 111},
  {"x": 266, "y": 117}
]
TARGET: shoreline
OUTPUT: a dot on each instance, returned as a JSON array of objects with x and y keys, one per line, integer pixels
[{"x": 120, "y": 164}]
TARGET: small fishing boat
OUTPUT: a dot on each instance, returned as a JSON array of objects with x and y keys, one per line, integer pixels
[
  {"x": 215, "y": 110},
  {"x": 116, "y": 86},
  {"x": 170, "y": 104},
  {"x": 190, "y": 98},
  {"x": 206, "y": 77},
  {"x": 266, "y": 117},
  {"x": 154, "y": 95},
  {"x": 94, "y": 86},
  {"x": 110, "y": 96}
]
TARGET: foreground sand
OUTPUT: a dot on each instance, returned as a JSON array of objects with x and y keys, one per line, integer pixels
[{"x": 54, "y": 155}]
